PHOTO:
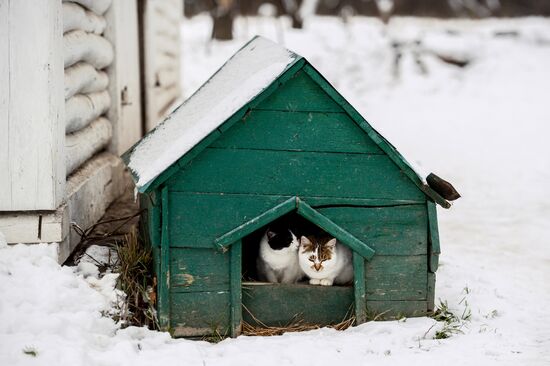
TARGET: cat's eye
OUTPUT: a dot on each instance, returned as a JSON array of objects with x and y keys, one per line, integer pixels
[{"x": 311, "y": 258}]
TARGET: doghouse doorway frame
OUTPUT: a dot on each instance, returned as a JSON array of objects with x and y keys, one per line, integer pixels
[{"x": 232, "y": 241}]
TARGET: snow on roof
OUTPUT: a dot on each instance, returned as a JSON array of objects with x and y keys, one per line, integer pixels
[{"x": 251, "y": 70}]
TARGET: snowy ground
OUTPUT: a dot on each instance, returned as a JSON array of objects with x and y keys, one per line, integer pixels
[{"x": 483, "y": 127}]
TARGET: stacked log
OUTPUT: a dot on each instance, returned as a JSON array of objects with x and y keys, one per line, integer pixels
[{"x": 86, "y": 54}]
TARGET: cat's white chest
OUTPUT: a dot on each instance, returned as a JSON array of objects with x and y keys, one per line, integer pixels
[
  {"x": 279, "y": 266},
  {"x": 278, "y": 259}
]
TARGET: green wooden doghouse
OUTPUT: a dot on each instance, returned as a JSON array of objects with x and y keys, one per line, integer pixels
[{"x": 268, "y": 136}]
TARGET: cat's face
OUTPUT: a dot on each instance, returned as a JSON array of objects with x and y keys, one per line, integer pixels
[
  {"x": 319, "y": 252},
  {"x": 281, "y": 239}
]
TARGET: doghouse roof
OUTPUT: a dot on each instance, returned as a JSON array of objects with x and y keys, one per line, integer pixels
[{"x": 250, "y": 75}]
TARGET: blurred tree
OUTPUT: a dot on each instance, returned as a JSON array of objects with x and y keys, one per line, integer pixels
[
  {"x": 345, "y": 8},
  {"x": 222, "y": 19},
  {"x": 430, "y": 8},
  {"x": 513, "y": 8}
]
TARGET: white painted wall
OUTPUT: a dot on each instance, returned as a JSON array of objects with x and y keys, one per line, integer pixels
[
  {"x": 32, "y": 129},
  {"x": 161, "y": 33},
  {"x": 124, "y": 75}
]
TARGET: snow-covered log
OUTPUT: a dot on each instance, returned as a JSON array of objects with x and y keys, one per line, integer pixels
[
  {"x": 97, "y": 6},
  {"x": 81, "y": 109},
  {"x": 83, "y": 78},
  {"x": 76, "y": 17},
  {"x": 91, "y": 48},
  {"x": 82, "y": 145}
]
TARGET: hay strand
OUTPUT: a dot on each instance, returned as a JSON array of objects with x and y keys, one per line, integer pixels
[{"x": 295, "y": 325}]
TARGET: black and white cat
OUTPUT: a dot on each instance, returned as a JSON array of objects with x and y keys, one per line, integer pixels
[
  {"x": 325, "y": 261},
  {"x": 278, "y": 257}
]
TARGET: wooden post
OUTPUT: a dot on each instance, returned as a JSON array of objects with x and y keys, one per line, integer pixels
[
  {"x": 164, "y": 280},
  {"x": 434, "y": 236},
  {"x": 359, "y": 288},
  {"x": 32, "y": 137},
  {"x": 124, "y": 74},
  {"x": 236, "y": 289}
]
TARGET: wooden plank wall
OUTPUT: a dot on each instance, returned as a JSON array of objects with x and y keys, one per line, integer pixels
[
  {"x": 161, "y": 43},
  {"x": 32, "y": 125}
]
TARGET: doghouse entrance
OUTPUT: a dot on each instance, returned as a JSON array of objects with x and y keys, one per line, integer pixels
[
  {"x": 274, "y": 304},
  {"x": 278, "y": 304}
]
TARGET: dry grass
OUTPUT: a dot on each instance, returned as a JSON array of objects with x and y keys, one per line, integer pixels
[
  {"x": 295, "y": 325},
  {"x": 133, "y": 266}
]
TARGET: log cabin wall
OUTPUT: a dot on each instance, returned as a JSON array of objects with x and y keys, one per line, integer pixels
[
  {"x": 70, "y": 105},
  {"x": 86, "y": 55}
]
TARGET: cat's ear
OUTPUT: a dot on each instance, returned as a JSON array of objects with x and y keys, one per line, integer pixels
[
  {"x": 331, "y": 244},
  {"x": 304, "y": 241},
  {"x": 292, "y": 235},
  {"x": 270, "y": 234}
]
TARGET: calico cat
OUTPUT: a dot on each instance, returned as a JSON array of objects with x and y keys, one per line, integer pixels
[
  {"x": 325, "y": 261},
  {"x": 278, "y": 257}
]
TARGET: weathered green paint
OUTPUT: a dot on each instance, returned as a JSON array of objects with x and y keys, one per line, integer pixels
[
  {"x": 199, "y": 269},
  {"x": 313, "y": 201},
  {"x": 201, "y": 313},
  {"x": 300, "y": 93},
  {"x": 261, "y": 220},
  {"x": 164, "y": 278},
  {"x": 297, "y": 131},
  {"x": 280, "y": 304},
  {"x": 398, "y": 230},
  {"x": 396, "y": 309},
  {"x": 294, "y": 173},
  {"x": 191, "y": 212},
  {"x": 359, "y": 288},
  {"x": 396, "y": 278},
  {"x": 330, "y": 227},
  {"x": 434, "y": 237},
  {"x": 384, "y": 144},
  {"x": 155, "y": 220},
  {"x": 154, "y": 228},
  {"x": 236, "y": 294}
]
